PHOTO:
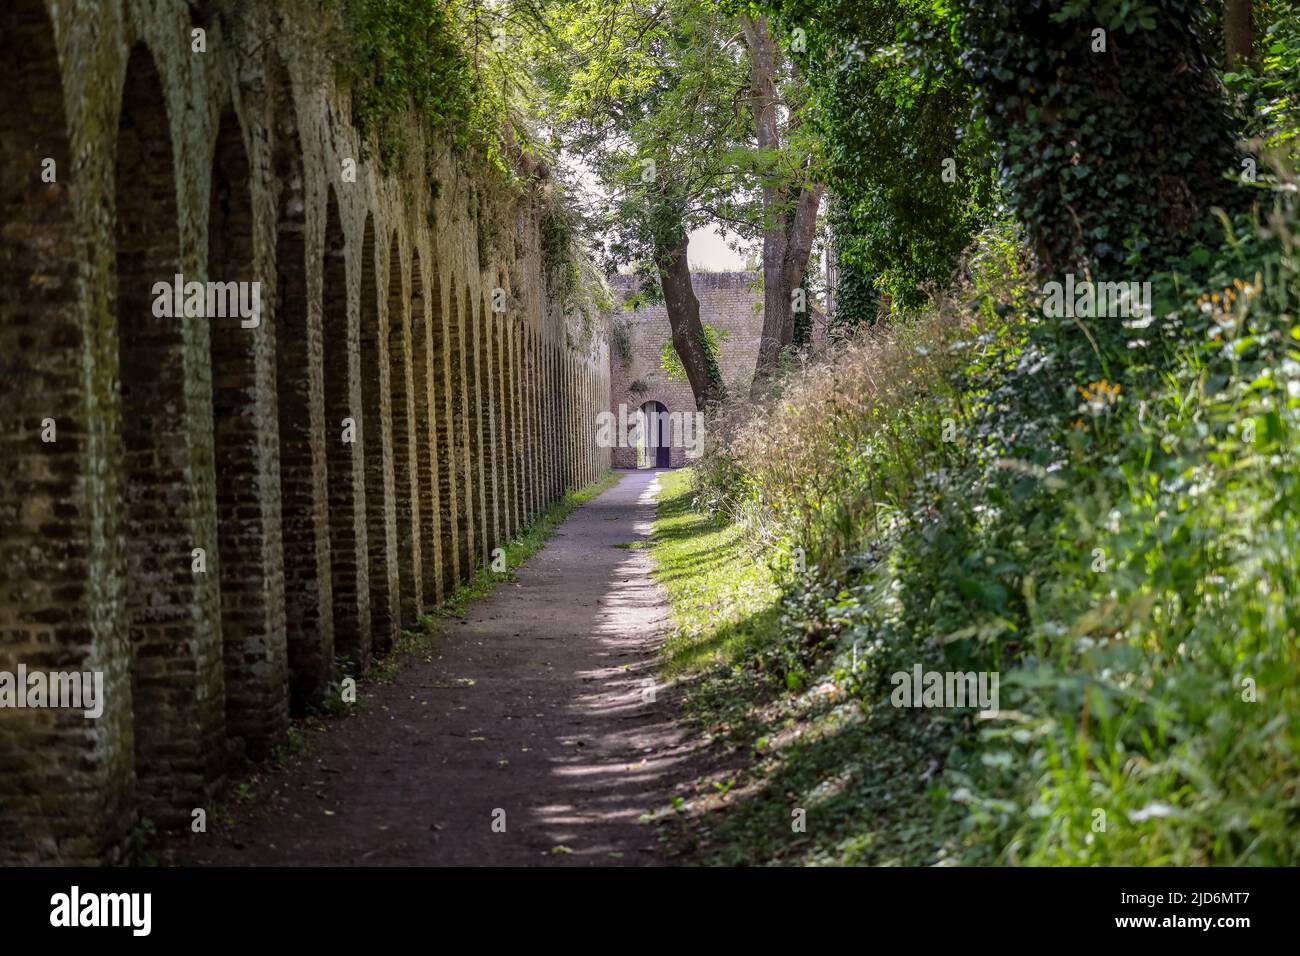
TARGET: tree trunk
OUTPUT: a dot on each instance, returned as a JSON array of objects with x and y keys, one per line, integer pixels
[
  {"x": 787, "y": 245},
  {"x": 1237, "y": 32},
  {"x": 1161, "y": 135},
  {"x": 787, "y": 234},
  {"x": 684, "y": 318}
]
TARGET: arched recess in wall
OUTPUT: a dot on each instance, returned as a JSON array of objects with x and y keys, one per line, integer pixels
[
  {"x": 424, "y": 446},
  {"x": 349, "y": 584},
  {"x": 405, "y": 496},
  {"x": 374, "y": 359},
  {"x": 234, "y": 323},
  {"x": 490, "y": 423},
  {"x": 54, "y": 766},
  {"x": 540, "y": 470},
  {"x": 309, "y": 627},
  {"x": 505, "y": 429},
  {"x": 502, "y": 464},
  {"x": 445, "y": 430},
  {"x": 459, "y": 448},
  {"x": 474, "y": 404},
  {"x": 41, "y": 334},
  {"x": 176, "y": 683},
  {"x": 519, "y": 400}
]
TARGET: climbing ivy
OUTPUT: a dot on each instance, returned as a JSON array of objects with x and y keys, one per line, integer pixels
[
  {"x": 620, "y": 337},
  {"x": 671, "y": 362},
  {"x": 857, "y": 302},
  {"x": 1114, "y": 139},
  {"x": 449, "y": 60},
  {"x": 892, "y": 107}
]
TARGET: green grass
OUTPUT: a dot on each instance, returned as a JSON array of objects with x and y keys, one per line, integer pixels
[
  {"x": 859, "y": 776},
  {"x": 723, "y": 596}
]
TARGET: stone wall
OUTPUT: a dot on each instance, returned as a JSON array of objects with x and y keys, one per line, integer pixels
[
  {"x": 226, "y": 510},
  {"x": 731, "y": 302}
]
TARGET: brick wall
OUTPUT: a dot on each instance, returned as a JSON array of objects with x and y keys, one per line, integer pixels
[
  {"x": 731, "y": 302},
  {"x": 187, "y": 439}
]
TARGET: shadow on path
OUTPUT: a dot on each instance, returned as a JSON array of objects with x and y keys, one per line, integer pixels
[{"x": 540, "y": 706}]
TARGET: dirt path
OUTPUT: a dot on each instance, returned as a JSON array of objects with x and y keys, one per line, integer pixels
[{"x": 537, "y": 704}]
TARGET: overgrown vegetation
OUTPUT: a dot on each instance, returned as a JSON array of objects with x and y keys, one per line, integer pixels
[
  {"x": 671, "y": 363},
  {"x": 1123, "y": 555},
  {"x": 1102, "y": 511},
  {"x": 453, "y": 63},
  {"x": 890, "y": 95}
]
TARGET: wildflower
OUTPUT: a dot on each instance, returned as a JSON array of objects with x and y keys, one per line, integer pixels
[{"x": 1098, "y": 396}]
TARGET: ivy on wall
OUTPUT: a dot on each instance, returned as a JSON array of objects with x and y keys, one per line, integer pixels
[
  {"x": 1115, "y": 143},
  {"x": 456, "y": 63},
  {"x": 671, "y": 362}
]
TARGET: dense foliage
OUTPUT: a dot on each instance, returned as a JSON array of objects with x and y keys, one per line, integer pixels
[
  {"x": 456, "y": 64},
  {"x": 1122, "y": 551},
  {"x": 1102, "y": 512},
  {"x": 618, "y": 80},
  {"x": 1113, "y": 137},
  {"x": 892, "y": 108},
  {"x": 1269, "y": 94}
]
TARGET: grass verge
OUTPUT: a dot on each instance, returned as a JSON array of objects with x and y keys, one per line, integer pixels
[
  {"x": 791, "y": 778},
  {"x": 723, "y": 598}
]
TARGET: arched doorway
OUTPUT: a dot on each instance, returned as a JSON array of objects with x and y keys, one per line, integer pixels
[{"x": 654, "y": 450}]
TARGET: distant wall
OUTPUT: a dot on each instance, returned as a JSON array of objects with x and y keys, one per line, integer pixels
[{"x": 731, "y": 302}]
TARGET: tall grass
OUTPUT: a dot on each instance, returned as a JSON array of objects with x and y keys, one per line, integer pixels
[{"x": 832, "y": 456}]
